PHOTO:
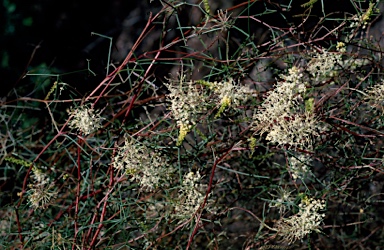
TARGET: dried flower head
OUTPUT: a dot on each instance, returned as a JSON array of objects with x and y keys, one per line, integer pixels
[
  {"x": 40, "y": 192},
  {"x": 282, "y": 201},
  {"x": 85, "y": 119},
  {"x": 307, "y": 220},
  {"x": 223, "y": 20},
  {"x": 145, "y": 165},
  {"x": 40, "y": 196}
]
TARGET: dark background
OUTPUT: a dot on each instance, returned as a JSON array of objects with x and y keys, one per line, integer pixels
[
  {"x": 56, "y": 35},
  {"x": 59, "y": 32}
]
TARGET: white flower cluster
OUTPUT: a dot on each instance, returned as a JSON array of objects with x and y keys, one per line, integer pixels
[
  {"x": 283, "y": 116},
  {"x": 323, "y": 65},
  {"x": 191, "y": 196},
  {"x": 40, "y": 192},
  {"x": 375, "y": 95},
  {"x": 296, "y": 131},
  {"x": 281, "y": 102},
  {"x": 299, "y": 166},
  {"x": 187, "y": 102},
  {"x": 364, "y": 18},
  {"x": 230, "y": 91},
  {"x": 227, "y": 93},
  {"x": 307, "y": 220},
  {"x": 340, "y": 46},
  {"x": 145, "y": 165},
  {"x": 85, "y": 120}
]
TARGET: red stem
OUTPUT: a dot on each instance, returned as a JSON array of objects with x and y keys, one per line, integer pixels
[
  {"x": 77, "y": 191},
  {"x": 206, "y": 195}
]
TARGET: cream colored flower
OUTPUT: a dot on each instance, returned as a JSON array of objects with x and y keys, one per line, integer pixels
[
  {"x": 85, "y": 120},
  {"x": 41, "y": 190},
  {"x": 307, "y": 220},
  {"x": 294, "y": 131},
  {"x": 191, "y": 99},
  {"x": 299, "y": 166},
  {"x": 188, "y": 102},
  {"x": 229, "y": 94},
  {"x": 324, "y": 64},
  {"x": 375, "y": 95},
  {"x": 145, "y": 165},
  {"x": 282, "y": 115},
  {"x": 191, "y": 196},
  {"x": 340, "y": 46}
]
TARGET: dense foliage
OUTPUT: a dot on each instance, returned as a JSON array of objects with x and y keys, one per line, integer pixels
[{"x": 250, "y": 125}]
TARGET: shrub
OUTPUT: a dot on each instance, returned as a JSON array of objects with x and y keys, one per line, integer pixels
[{"x": 263, "y": 135}]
